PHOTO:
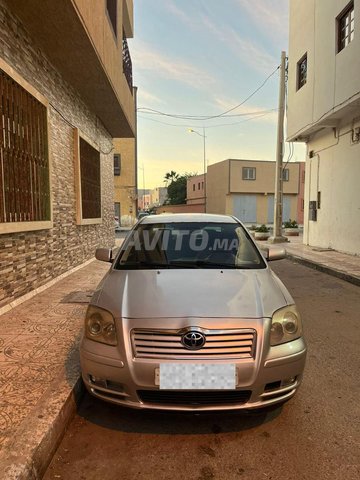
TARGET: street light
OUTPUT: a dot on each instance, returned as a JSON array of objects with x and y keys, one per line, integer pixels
[
  {"x": 143, "y": 170},
  {"x": 204, "y": 139}
]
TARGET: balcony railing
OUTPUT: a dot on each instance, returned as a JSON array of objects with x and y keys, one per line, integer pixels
[{"x": 127, "y": 64}]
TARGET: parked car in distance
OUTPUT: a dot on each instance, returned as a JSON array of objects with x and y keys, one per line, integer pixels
[
  {"x": 191, "y": 317},
  {"x": 142, "y": 215}
]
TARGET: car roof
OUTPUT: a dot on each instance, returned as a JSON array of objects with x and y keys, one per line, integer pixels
[{"x": 187, "y": 217}]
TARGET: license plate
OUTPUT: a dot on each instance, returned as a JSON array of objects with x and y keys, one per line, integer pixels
[{"x": 196, "y": 376}]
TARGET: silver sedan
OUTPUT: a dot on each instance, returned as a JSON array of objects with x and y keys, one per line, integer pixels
[{"x": 191, "y": 317}]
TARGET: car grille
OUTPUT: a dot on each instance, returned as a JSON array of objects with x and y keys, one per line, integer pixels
[
  {"x": 239, "y": 343},
  {"x": 194, "y": 397}
]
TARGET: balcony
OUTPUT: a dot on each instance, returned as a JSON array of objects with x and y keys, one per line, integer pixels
[
  {"x": 81, "y": 45},
  {"x": 127, "y": 64}
]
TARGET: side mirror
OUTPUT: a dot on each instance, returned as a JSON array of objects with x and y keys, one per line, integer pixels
[
  {"x": 275, "y": 253},
  {"x": 103, "y": 254}
]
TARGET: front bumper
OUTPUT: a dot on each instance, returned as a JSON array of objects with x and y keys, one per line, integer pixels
[{"x": 114, "y": 375}]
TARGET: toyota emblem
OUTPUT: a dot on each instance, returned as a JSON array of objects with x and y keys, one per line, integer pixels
[{"x": 193, "y": 340}]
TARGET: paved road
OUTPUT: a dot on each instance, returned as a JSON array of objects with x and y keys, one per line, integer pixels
[{"x": 315, "y": 436}]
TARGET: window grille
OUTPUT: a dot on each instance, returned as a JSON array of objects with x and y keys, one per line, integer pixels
[{"x": 24, "y": 156}]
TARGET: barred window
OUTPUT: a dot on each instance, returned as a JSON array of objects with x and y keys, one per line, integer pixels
[
  {"x": 90, "y": 181},
  {"x": 117, "y": 164},
  {"x": 24, "y": 156},
  {"x": 302, "y": 69},
  {"x": 285, "y": 175}
]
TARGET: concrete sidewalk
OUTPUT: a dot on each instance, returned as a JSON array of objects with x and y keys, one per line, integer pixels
[
  {"x": 341, "y": 265},
  {"x": 39, "y": 364},
  {"x": 39, "y": 371}
]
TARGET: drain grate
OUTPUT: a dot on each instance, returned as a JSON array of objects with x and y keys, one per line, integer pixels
[{"x": 78, "y": 297}]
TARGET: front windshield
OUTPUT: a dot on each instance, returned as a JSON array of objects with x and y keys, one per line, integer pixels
[{"x": 189, "y": 245}]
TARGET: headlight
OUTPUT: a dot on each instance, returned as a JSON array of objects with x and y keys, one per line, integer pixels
[
  {"x": 100, "y": 326},
  {"x": 285, "y": 326}
]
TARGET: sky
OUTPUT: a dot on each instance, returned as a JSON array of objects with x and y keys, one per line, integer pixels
[{"x": 201, "y": 58}]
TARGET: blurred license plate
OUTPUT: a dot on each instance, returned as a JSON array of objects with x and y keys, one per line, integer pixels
[{"x": 196, "y": 376}]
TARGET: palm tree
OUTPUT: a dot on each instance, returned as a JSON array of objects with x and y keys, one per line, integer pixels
[{"x": 171, "y": 177}]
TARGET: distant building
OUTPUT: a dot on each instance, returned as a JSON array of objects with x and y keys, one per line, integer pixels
[
  {"x": 158, "y": 196},
  {"x": 125, "y": 168},
  {"x": 144, "y": 199},
  {"x": 323, "y": 111},
  {"x": 245, "y": 189},
  {"x": 65, "y": 93},
  {"x": 195, "y": 191}
]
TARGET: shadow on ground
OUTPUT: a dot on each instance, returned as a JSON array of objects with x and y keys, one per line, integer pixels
[{"x": 123, "y": 419}]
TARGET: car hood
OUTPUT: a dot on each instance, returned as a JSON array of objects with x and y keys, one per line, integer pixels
[{"x": 205, "y": 293}]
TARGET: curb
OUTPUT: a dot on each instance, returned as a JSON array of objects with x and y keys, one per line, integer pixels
[
  {"x": 325, "y": 269},
  {"x": 37, "y": 438}
]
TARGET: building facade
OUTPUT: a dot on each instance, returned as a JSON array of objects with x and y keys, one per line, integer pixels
[
  {"x": 324, "y": 112},
  {"x": 245, "y": 189},
  {"x": 61, "y": 106},
  {"x": 125, "y": 191},
  {"x": 195, "y": 191}
]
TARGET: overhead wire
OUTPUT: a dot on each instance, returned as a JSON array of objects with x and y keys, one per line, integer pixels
[
  {"x": 254, "y": 117},
  {"x": 152, "y": 111}
]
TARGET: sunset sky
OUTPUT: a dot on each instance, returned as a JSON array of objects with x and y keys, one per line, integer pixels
[{"x": 203, "y": 57}]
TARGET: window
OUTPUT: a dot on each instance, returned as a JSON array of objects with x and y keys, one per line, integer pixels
[
  {"x": 202, "y": 185},
  {"x": 249, "y": 173},
  {"x": 345, "y": 27},
  {"x": 302, "y": 72},
  {"x": 88, "y": 176},
  {"x": 117, "y": 164},
  {"x": 199, "y": 186},
  {"x": 111, "y": 8},
  {"x": 194, "y": 187},
  {"x": 117, "y": 211},
  {"x": 285, "y": 175},
  {"x": 24, "y": 168}
]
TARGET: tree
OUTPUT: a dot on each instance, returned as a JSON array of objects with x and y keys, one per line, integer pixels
[{"x": 177, "y": 191}]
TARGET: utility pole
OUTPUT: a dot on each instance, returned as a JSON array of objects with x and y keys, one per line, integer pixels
[
  {"x": 205, "y": 175},
  {"x": 204, "y": 160},
  {"x": 278, "y": 199}
]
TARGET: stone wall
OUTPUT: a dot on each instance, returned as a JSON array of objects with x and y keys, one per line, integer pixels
[{"x": 30, "y": 259}]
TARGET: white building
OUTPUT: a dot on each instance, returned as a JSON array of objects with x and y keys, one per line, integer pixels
[{"x": 324, "y": 112}]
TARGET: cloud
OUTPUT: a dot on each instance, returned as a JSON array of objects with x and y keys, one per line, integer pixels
[
  {"x": 248, "y": 52},
  {"x": 148, "y": 59},
  {"x": 147, "y": 98},
  {"x": 180, "y": 14},
  {"x": 271, "y": 16}
]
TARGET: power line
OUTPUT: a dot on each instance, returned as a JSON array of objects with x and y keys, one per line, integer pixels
[
  {"x": 208, "y": 117},
  {"x": 210, "y": 126}
]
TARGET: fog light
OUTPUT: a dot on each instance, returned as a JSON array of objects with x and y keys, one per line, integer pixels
[
  {"x": 288, "y": 382},
  {"x": 98, "y": 381}
]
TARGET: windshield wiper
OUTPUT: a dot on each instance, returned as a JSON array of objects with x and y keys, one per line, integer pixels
[
  {"x": 144, "y": 264},
  {"x": 199, "y": 264}
]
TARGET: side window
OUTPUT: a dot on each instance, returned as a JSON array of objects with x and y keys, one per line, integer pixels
[
  {"x": 249, "y": 173},
  {"x": 88, "y": 181}
]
